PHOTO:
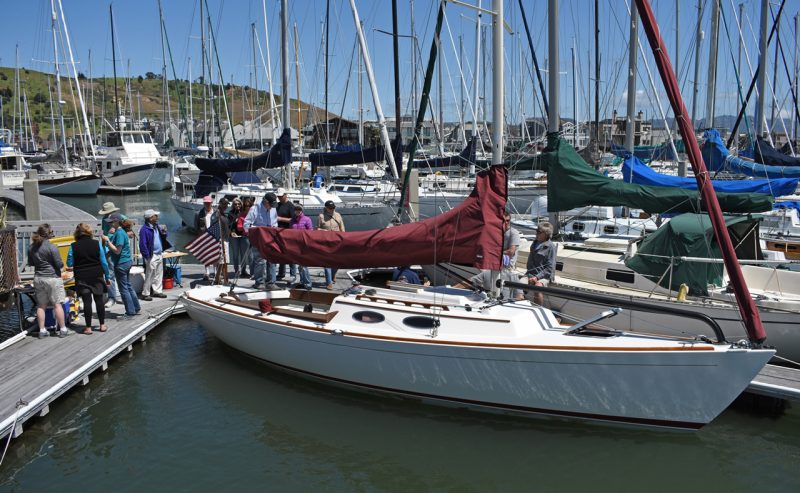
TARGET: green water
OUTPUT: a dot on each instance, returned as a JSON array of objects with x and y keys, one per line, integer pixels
[{"x": 184, "y": 413}]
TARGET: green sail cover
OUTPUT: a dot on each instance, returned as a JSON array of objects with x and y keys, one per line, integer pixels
[
  {"x": 572, "y": 183},
  {"x": 691, "y": 235}
]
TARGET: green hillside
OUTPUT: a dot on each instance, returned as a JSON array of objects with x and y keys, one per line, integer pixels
[{"x": 148, "y": 87}]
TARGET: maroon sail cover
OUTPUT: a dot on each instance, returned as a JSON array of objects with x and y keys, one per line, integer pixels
[{"x": 471, "y": 233}]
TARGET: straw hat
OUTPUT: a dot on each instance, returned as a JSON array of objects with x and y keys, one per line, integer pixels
[{"x": 108, "y": 208}]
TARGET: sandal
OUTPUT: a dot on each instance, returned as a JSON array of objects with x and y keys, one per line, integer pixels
[
  {"x": 103, "y": 328},
  {"x": 87, "y": 331}
]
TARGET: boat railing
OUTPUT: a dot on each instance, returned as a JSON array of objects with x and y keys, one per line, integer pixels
[{"x": 606, "y": 300}]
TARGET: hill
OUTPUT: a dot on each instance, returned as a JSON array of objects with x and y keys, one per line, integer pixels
[{"x": 147, "y": 100}]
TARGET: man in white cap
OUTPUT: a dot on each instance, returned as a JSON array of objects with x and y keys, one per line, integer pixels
[
  {"x": 152, "y": 243},
  {"x": 285, "y": 211}
]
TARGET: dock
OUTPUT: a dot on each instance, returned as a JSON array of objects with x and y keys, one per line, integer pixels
[
  {"x": 777, "y": 381},
  {"x": 36, "y": 371}
]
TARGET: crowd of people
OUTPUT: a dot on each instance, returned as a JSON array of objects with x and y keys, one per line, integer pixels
[{"x": 102, "y": 264}]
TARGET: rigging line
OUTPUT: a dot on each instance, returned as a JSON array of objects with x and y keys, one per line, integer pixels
[
  {"x": 736, "y": 70},
  {"x": 788, "y": 77}
]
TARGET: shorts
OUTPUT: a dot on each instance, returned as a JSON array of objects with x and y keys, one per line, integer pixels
[{"x": 49, "y": 291}]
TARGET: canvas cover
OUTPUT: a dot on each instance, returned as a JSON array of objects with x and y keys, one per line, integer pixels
[
  {"x": 277, "y": 156},
  {"x": 661, "y": 152},
  {"x": 764, "y": 153},
  {"x": 691, "y": 235},
  {"x": 717, "y": 158},
  {"x": 471, "y": 233},
  {"x": 635, "y": 171},
  {"x": 572, "y": 183},
  {"x": 369, "y": 155},
  {"x": 462, "y": 160}
]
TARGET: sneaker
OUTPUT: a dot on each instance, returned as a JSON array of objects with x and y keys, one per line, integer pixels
[
  {"x": 111, "y": 303},
  {"x": 308, "y": 288},
  {"x": 272, "y": 287},
  {"x": 44, "y": 333},
  {"x": 62, "y": 333},
  {"x": 146, "y": 298},
  {"x": 244, "y": 275},
  {"x": 159, "y": 295},
  {"x": 257, "y": 285},
  {"x": 330, "y": 287}
]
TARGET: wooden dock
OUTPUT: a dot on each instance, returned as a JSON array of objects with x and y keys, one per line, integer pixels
[
  {"x": 777, "y": 381},
  {"x": 36, "y": 371}
]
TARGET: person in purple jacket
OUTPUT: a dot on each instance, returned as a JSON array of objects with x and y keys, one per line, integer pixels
[
  {"x": 152, "y": 244},
  {"x": 301, "y": 221}
]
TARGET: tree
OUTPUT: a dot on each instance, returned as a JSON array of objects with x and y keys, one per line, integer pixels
[
  {"x": 81, "y": 76},
  {"x": 40, "y": 98},
  {"x": 140, "y": 79},
  {"x": 150, "y": 76}
]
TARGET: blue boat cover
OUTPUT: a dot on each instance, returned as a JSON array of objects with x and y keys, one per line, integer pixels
[
  {"x": 766, "y": 154},
  {"x": 636, "y": 171},
  {"x": 369, "y": 155},
  {"x": 277, "y": 156},
  {"x": 462, "y": 160},
  {"x": 717, "y": 158}
]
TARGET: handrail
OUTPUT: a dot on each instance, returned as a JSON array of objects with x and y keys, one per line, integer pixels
[{"x": 621, "y": 302}]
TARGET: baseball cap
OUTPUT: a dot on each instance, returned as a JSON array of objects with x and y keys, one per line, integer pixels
[
  {"x": 330, "y": 205},
  {"x": 151, "y": 213},
  {"x": 281, "y": 192},
  {"x": 207, "y": 199}
]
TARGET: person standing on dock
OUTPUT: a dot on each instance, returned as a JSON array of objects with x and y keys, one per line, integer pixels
[
  {"x": 47, "y": 265},
  {"x": 152, "y": 243},
  {"x": 238, "y": 241},
  {"x": 263, "y": 214},
  {"x": 108, "y": 229},
  {"x": 330, "y": 220},
  {"x": 87, "y": 258},
  {"x": 220, "y": 217},
  {"x": 120, "y": 246},
  {"x": 301, "y": 221},
  {"x": 285, "y": 211},
  {"x": 203, "y": 223}
]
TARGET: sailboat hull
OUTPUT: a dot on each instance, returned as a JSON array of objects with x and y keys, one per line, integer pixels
[
  {"x": 154, "y": 176},
  {"x": 676, "y": 387}
]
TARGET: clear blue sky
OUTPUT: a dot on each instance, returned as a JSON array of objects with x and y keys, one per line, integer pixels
[{"x": 27, "y": 23}]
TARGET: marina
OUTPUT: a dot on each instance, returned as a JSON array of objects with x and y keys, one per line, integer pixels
[{"x": 362, "y": 246}]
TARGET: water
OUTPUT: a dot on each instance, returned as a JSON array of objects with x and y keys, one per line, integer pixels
[{"x": 184, "y": 413}]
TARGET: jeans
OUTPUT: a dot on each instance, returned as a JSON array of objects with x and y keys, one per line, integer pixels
[
  {"x": 262, "y": 269},
  {"x": 330, "y": 275},
  {"x": 113, "y": 290},
  {"x": 129, "y": 299},
  {"x": 238, "y": 248},
  {"x": 305, "y": 276},
  {"x": 292, "y": 270}
]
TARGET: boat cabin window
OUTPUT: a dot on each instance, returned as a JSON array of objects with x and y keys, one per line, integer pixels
[
  {"x": 620, "y": 276},
  {"x": 139, "y": 138},
  {"x": 128, "y": 138},
  {"x": 421, "y": 322},
  {"x": 8, "y": 163},
  {"x": 610, "y": 230},
  {"x": 576, "y": 226},
  {"x": 113, "y": 140},
  {"x": 368, "y": 317}
]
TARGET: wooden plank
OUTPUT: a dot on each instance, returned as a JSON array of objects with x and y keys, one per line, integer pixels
[{"x": 777, "y": 381}]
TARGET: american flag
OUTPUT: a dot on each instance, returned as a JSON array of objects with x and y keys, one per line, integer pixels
[{"x": 207, "y": 247}]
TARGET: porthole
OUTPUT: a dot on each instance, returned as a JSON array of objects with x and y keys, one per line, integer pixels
[
  {"x": 369, "y": 317},
  {"x": 421, "y": 322}
]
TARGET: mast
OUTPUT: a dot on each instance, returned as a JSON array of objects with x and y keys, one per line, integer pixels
[
  {"x": 255, "y": 87},
  {"x": 190, "y": 123},
  {"x": 533, "y": 54},
  {"x": 630, "y": 118},
  {"x": 327, "y": 47},
  {"x": 574, "y": 96},
  {"x": 497, "y": 83},
  {"x": 739, "y": 61},
  {"x": 53, "y": 20},
  {"x": 285, "y": 108},
  {"x": 553, "y": 117},
  {"x": 361, "y": 101},
  {"x": 272, "y": 105},
  {"x": 698, "y": 38},
  {"x": 91, "y": 93},
  {"x": 681, "y": 166},
  {"x": 375, "y": 99},
  {"x": 775, "y": 77},
  {"x": 165, "y": 117},
  {"x": 398, "y": 126},
  {"x": 761, "y": 84},
  {"x": 297, "y": 82},
  {"x": 52, "y": 115},
  {"x": 476, "y": 76},
  {"x": 711, "y": 94},
  {"x": 794, "y": 119},
  {"x": 597, "y": 71},
  {"x": 747, "y": 307},
  {"x": 114, "y": 65}
]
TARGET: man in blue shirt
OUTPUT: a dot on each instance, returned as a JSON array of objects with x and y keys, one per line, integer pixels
[
  {"x": 152, "y": 243},
  {"x": 265, "y": 215}
]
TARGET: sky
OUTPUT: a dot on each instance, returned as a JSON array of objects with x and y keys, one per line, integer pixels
[{"x": 27, "y": 24}]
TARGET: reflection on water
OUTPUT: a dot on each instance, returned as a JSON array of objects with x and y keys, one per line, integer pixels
[{"x": 182, "y": 412}]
